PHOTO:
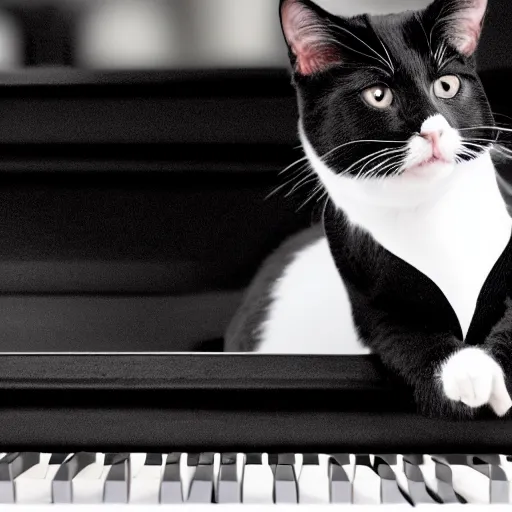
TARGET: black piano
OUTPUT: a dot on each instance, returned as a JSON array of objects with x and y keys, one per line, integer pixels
[{"x": 134, "y": 211}]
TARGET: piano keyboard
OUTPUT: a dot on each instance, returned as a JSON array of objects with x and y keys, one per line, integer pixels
[{"x": 40, "y": 481}]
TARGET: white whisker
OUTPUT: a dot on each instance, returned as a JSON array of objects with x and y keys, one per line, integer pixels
[
  {"x": 359, "y": 142},
  {"x": 379, "y": 56}
]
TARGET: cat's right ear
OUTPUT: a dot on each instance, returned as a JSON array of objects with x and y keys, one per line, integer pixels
[{"x": 306, "y": 28}]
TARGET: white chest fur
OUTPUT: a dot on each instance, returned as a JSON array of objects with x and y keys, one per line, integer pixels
[{"x": 455, "y": 236}]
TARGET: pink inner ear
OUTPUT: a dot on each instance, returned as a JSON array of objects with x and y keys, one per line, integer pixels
[
  {"x": 308, "y": 38},
  {"x": 469, "y": 26}
]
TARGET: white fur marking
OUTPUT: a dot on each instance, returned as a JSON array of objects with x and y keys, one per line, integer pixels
[
  {"x": 449, "y": 221},
  {"x": 310, "y": 311},
  {"x": 475, "y": 379}
]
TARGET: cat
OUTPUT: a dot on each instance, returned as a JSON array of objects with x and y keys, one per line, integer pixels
[{"x": 413, "y": 259}]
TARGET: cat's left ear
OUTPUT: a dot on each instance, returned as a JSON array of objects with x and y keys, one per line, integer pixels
[{"x": 459, "y": 21}]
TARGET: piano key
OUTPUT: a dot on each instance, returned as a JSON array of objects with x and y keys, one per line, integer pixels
[
  {"x": 258, "y": 480},
  {"x": 229, "y": 486},
  {"x": 390, "y": 491},
  {"x": 506, "y": 466},
  {"x": 340, "y": 484},
  {"x": 202, "y": 486},
  {"x": 89, "y": 484},
  {"x": 416, "y": 487},
  {"x": 171, "y": 489},
  {"x": 285, "y": 481},
  {"x": 444, "y": 482},
  {"x": 146, "y": 479},
  {"x": 62, "y": 485},
  {"x": 117, "y": 484},
  {"x": 366, "y": 484},
  {"x": 470, "y": 484},
  {"x": 12, "y": 466},
  {"x": 489, "y": 466},
  {"x": 314, "y": 485}
]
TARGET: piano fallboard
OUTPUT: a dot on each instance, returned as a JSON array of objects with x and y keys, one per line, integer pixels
[{"x": 191, "y": 402}]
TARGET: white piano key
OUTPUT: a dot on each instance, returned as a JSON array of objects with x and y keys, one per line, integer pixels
[
  {"x": 146, "y": 478},
  {"x": 202, "y": 485},
  {"x": 12, "y": 465},
  {"x": 171, "y": 488},
  {"x": 314, "y": 480},
  {"x": 366, "y": 485},
  {"x": 285, "y": 480},
  {"x": 506, "y": 465},
  {"x": 469, "y": 483},
  {"x": 88, "y": 485},
  {"x": 62, "y": 485},
  {"x": 258, "y": 480},
  {"x": 35, "y": 485},
  {"x": 341, "y": 479},
  {"x": 387, "y": 469},
  {"x": 118, "y": 482},
  {"x": 229, "y": 485},
  {"x": 489, "y": 466}
]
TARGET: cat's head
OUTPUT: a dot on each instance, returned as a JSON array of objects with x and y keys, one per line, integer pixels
[{"x": 405, "y": 84}]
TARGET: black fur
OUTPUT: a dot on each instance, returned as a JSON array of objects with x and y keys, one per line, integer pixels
[
  {"x": 406, "y": 319},
  {"x": 331, "y": 107}
]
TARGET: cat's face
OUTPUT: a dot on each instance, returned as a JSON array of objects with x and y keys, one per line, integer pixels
[{"x": 389, "y": 96}]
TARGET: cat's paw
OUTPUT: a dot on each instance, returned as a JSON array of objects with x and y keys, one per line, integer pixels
[{"x": 474, "y": 378}]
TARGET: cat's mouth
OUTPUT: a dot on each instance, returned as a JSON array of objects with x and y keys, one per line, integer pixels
[{"x": 437, "y": 159}]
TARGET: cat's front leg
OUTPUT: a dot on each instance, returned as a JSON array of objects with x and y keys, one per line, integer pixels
[
  {"x": 499, "y": 346},
  {"x": 449, "y": 380}
]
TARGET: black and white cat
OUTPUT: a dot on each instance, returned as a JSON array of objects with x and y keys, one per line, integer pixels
[{"x": 414, "y": 259}]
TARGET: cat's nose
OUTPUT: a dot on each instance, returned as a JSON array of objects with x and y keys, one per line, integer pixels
[{"x": 432, "y": 136}]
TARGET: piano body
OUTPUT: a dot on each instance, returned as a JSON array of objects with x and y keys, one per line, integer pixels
[{"x": 133, "y": 214}]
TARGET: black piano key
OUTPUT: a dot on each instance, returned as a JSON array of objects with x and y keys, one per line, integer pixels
[
  {"x": 342, "y": 459},
  {"x": 254, "y": 459},
  {"x": 273, "y": 460},
  {"x": 206, "y": 459},
  {"x": 310, "y": 459},
  {"x": 11, "y": 467},
  {"x": 285, "y": 481},
  {"x": 171, "y": 488},
  {"x": 363, "y": 460},
  {"x": 455, "y": 459},
  {"x": 228, "y": 486},
  {"x": 117, "y": 485},
  {"x": 390, "y": 459},
  {"x": 193, "y": 459},
  {"x": 485, "y": 459},
  {"x": 416, "y": 459},
  {"x": 227, "y": 459},
  {"x": 286, "y": 459},
  {"x": 340, "y": 487},
  {"x": 153, "y": 459},
  {"x": 58, "y": 458},
  {"x": 202, "y": 486},
  {"x": 62, "y": 484}
]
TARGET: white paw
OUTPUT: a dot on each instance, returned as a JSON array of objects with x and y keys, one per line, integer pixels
[{"x": 475, "y": 379}]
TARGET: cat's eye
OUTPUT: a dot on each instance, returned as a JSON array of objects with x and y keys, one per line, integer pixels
[
  {"x": 378, "y": 96},
  {"x": 447, "y": 86}
]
